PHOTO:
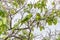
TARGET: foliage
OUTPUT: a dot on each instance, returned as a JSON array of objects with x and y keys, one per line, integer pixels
[{"x": 7, "y": 14}]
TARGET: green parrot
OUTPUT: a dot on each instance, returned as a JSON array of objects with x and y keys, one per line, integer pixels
[{"x": 26, "y": 18}]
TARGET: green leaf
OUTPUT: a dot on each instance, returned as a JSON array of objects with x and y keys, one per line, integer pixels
[
  {"x": 15, "y": 4},
  {"x": 4, "y": 19},
  {"x": 40, "y": 5},
  {"x": 1, "y": 22},
  {"x": 41, "y": 28},
  {"x": 58, "y": 13},
  {"x": 58, "y": 38},
  {"x": 43, "y": 3},
  {"x": 27, "y": 10},
  {"x": 53, "y": 3},
  {"x": 30, "y": 6},
  {"x": 49, "y": 22},
  {"x": 25, "y": 32},
  {"x": 37, "y": 5},
  {"x": 38, "y": 17},
  {"x": 3, "y": 28},
  {"x": 3, "y": 13},
  {"x": 12, "y": 11},
  {"x": 55, "y": 21},
  {"x": 20, "y": 1}
]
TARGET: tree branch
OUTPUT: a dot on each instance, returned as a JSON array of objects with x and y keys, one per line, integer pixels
[{"x": 19, "y": 29}]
